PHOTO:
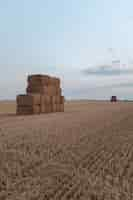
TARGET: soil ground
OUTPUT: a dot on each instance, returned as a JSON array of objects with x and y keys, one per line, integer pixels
[{"x": 84, "y": 153}]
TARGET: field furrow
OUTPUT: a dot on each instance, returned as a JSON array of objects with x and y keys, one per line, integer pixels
[{"x": 84, "y": 153}]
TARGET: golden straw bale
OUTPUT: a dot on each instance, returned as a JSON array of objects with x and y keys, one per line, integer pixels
[
  {"x": 28, "y": 100},
  {"x": 28, "y": 110}
]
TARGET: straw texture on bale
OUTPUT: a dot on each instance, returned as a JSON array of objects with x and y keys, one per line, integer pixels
[
  {"x": 46, "y": 108},
  {"x": 25, "y": 110},
  {"x": 47, "y": 90},
  {"x": 28, "y": 100},
  {"x": 38, "y": 80},
  {"x": 46, "y": 99}
]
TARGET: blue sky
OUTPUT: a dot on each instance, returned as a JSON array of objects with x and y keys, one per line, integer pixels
[{"x": 64, "y": 38}]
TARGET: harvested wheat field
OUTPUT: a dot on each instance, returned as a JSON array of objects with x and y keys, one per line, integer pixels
[
  {"x": 8, "y": 107},
  {"x": 85, "y": 153}
]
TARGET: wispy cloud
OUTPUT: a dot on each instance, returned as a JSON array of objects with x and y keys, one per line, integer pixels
[
  {"x": 107, "y": 70},
  {"x": 119, "y": 85}
]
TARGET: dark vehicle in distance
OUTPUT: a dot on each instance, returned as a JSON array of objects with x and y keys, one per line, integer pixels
[{"x": 113, "y": 99}]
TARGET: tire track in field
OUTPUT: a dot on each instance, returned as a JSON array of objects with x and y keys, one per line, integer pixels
[
  {"x": 95, "y": 161},
  {"x": 105, "y": 162}
]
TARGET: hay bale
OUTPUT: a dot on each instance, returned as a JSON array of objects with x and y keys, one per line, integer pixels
[
  {"x": 46, "y": 99},
  {"x": 38, "y": 79},
  {"x": 60, "y": 107},
  {"x": 51, "y": 90},
  {"x": 35, "y": 85},
  {"x": 56, "y": 99},
  {"x": 56, "y": 81},
  {"x": 36, "y": 89},
  {"x": 46, "y": 108},
  {"x": 28, "y": 100},
  {"x": 46, "y": 90},
  {"x": 51, "y": 81},
  {"x": 43, "y": 108},
  {"x": 28, "y": 110}
]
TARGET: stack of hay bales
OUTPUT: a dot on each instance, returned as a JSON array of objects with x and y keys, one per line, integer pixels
[{"x": 44, "y": 95}]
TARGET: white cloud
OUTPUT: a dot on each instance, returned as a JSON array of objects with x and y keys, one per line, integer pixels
[{"x": 113, "y": 69}]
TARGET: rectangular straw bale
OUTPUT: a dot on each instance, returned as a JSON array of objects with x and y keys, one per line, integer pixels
[
  {"x": 33, "y": 90},
  {"x": 47, "y": 90},
  {"x": 46, "y": 99},
  {"x": 56, "y": 81},
  {"x": 28, "y": 100},
  {"x": 51, "y": 81},
  {"x": 28, "y": 110},
  {"x": 52, "y": 90},
  {"x": 55, "y": 99},
  {"x": 37, "y": 89},
  {"x": 46, "y": 108},
  {"x": 35, "y": 85},
  {"x": 38, "y": 79},
  {"x": 43, "y": 108}
]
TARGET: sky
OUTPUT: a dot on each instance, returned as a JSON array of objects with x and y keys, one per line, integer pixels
[{"x": 75, "y": 40}]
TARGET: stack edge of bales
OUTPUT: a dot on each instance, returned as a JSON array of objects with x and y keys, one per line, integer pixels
[{"x": 43, "y": 95}]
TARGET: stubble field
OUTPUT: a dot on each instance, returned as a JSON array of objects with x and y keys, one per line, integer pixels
[{"x": 85, "y": 153}]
